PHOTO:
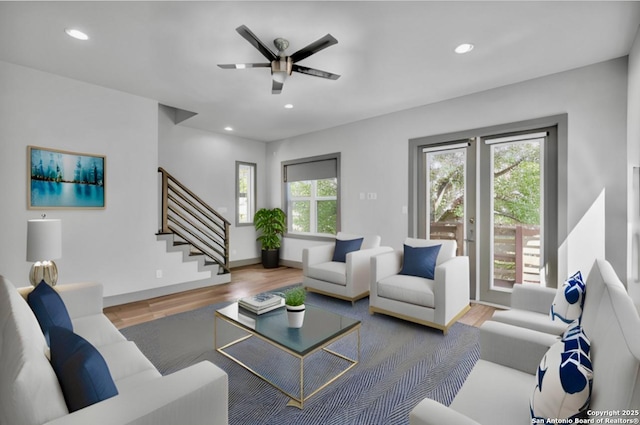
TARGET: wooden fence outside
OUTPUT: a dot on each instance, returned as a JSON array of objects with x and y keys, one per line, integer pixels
[{"x": 516, "y": 251}]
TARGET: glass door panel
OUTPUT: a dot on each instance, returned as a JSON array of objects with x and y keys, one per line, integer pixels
[
  {"x": 446, "y": 178},
  {"x": 517, "y": 211},
  {"x": 512, "y": 192}
]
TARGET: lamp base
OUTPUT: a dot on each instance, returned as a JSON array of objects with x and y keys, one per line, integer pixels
[{"x": 43, "y": 271}]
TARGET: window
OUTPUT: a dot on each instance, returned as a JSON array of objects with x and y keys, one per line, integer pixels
[
  {"x": 245, "y": 192},
  {"x": 312, "y": 201}
]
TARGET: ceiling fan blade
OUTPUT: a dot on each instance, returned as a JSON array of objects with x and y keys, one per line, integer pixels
[
  {"x": 315, "y": 72},
  {"x": 276, "y": 87},
  {"x": 243, "y": 65},
  {"x": 314, "y": 47},
  {"x": 256, "y": 42}
]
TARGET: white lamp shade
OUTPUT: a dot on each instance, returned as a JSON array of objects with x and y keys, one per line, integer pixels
[{"x": 44, "y": 240}]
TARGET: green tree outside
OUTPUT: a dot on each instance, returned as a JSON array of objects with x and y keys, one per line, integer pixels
[{"x": 314, "y": 194}]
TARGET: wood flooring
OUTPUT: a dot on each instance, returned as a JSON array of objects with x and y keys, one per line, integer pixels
[{"x": 245, "y": 281}]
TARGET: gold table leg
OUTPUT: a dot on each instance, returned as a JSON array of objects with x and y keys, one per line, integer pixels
[{"x": 295, "y": 400}]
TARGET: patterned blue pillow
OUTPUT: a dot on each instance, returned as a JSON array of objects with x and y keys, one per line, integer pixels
[
  {"x": 569, "y": 300},
  {"x": 574, "y": 338},
  {"x": 563, "y": 379},
  {"x": 81, "y": 370},
  {"x": 343, "y": 247},
  {"x": 420, "y": 261},
  {"x": 48, "y": 308}
]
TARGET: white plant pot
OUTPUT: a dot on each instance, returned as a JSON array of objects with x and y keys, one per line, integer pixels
[{"x": 295, "y": 314}]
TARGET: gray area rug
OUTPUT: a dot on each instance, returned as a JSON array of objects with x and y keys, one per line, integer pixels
[{"x": 400, "y": 364}]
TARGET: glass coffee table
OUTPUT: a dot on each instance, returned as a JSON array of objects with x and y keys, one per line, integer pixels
[{"x": 319, "y": 340}]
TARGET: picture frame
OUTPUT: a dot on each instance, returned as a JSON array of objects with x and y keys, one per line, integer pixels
[{"x": 58, "y": 179}]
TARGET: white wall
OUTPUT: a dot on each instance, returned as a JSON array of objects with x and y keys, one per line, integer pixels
[
  {"x": 375, "y": 153},
  {"x": 205, "y": 162},
  {"x": 115, "y": 246},
  {"x": 633, "y": 155}
]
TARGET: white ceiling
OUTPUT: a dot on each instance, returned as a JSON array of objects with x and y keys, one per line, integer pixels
[{"x": 392, "y": 55}]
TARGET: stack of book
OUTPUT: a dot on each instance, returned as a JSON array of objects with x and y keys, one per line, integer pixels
[{"x": 261, "y": 303}]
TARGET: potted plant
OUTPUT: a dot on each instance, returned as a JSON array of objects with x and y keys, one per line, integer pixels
[
  {"x": 294, "y": 303},
  {"x": 272, "y": 224}
]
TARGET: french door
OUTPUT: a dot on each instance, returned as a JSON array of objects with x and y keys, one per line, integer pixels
[{"x": 495, "y": 196}]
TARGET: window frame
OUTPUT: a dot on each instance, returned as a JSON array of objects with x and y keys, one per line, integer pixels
[
  {"x": 251, "y": 196},
  {"x": 286, "y": 196}
]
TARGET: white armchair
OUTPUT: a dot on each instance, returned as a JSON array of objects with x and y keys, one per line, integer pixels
[
  {"x": 347, "y": 280},
  {"x": 437, "y": 302}
]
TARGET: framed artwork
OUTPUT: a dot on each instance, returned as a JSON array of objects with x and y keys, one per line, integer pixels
[{"x": 64, "y": 180}]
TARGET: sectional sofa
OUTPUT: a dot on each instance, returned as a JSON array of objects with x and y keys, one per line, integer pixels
[
  {"x": 501, "y": 386},
  {"x": 31, "y": 394}
]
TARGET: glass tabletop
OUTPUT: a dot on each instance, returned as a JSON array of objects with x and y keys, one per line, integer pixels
[{"x": 319, "y": 327}]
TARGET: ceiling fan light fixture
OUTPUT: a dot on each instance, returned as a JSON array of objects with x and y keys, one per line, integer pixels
[
  {"x": 281, "y": 64},
  {"x": 279, "y": 76},
  {"x": 77, "y": 34},
  {"x": 464, "y": 48}
]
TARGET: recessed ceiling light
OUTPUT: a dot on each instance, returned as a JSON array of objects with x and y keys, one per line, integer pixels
[
  {"x": 76, "y": 34},
  {"x": 288, "y": 106},
  {"x": 228, "y": 128},
  {"x": 464, "y": 48}
]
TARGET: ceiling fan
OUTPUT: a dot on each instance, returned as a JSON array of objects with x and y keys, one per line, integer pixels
[{"x": 282, "y": 65}]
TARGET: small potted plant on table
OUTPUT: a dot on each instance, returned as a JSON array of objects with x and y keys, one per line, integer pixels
[
  {"x": 272, "y": 224},
  {"x": 294, "y": 303}
]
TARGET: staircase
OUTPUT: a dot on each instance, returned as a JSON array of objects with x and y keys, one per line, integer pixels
[{"x": 192, "y": 227}]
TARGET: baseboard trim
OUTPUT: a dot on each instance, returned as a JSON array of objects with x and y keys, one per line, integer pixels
[
  {"x": 245, "y": 262},
  {"x": 158, "y": 292},
  {"x": 291, "y": 263}
]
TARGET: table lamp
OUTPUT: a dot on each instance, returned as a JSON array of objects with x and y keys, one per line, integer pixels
[{"x": 44, "y": 244}]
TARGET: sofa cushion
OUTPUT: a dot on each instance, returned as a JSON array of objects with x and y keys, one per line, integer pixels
[
  {"x": 125, "y": 360},
  {"x": 495, "y": 394},
  {"x": 81, "y": 370},
  {"x": 569, "y": 300},
  {"x": 563, "y": 383},
  {"x": 48, "y": 308},
  {"x": 530, "y": 320},
  {"x": 408, "y": 289},
  {"x": 420, "y": 261},
  {"x": 29, "y": 390},
  {"x": 97, "y": 329},
  {"x": 343, "y": 247},
  {"x": 331, "y": 271}
]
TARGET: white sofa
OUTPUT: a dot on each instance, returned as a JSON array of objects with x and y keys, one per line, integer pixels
[
  {"x": 530, "y": 304},
  {"x": 30, "y": 393},
  {"x": 347, "y": 280},
  {"x": 500, "y": 385}
]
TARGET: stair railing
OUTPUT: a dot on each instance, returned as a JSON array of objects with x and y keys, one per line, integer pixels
[{"x": 187, "y": 216}]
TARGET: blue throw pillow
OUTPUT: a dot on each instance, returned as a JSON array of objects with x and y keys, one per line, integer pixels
[
  {"x": 343, "y": 247},
  {"x": 48, "y": 308},
  {"x": 420, "y": 261},
  {"x": 81, "y": 370},
  {"x": 563, "y": 380},
  {"x": 569, "y": 300}
]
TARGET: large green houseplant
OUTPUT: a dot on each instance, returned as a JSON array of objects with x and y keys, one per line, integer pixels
[{"x": 272, "y": 223}]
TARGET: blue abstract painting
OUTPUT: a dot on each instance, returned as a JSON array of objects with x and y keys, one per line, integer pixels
[{"x": 59, "y": 179}]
